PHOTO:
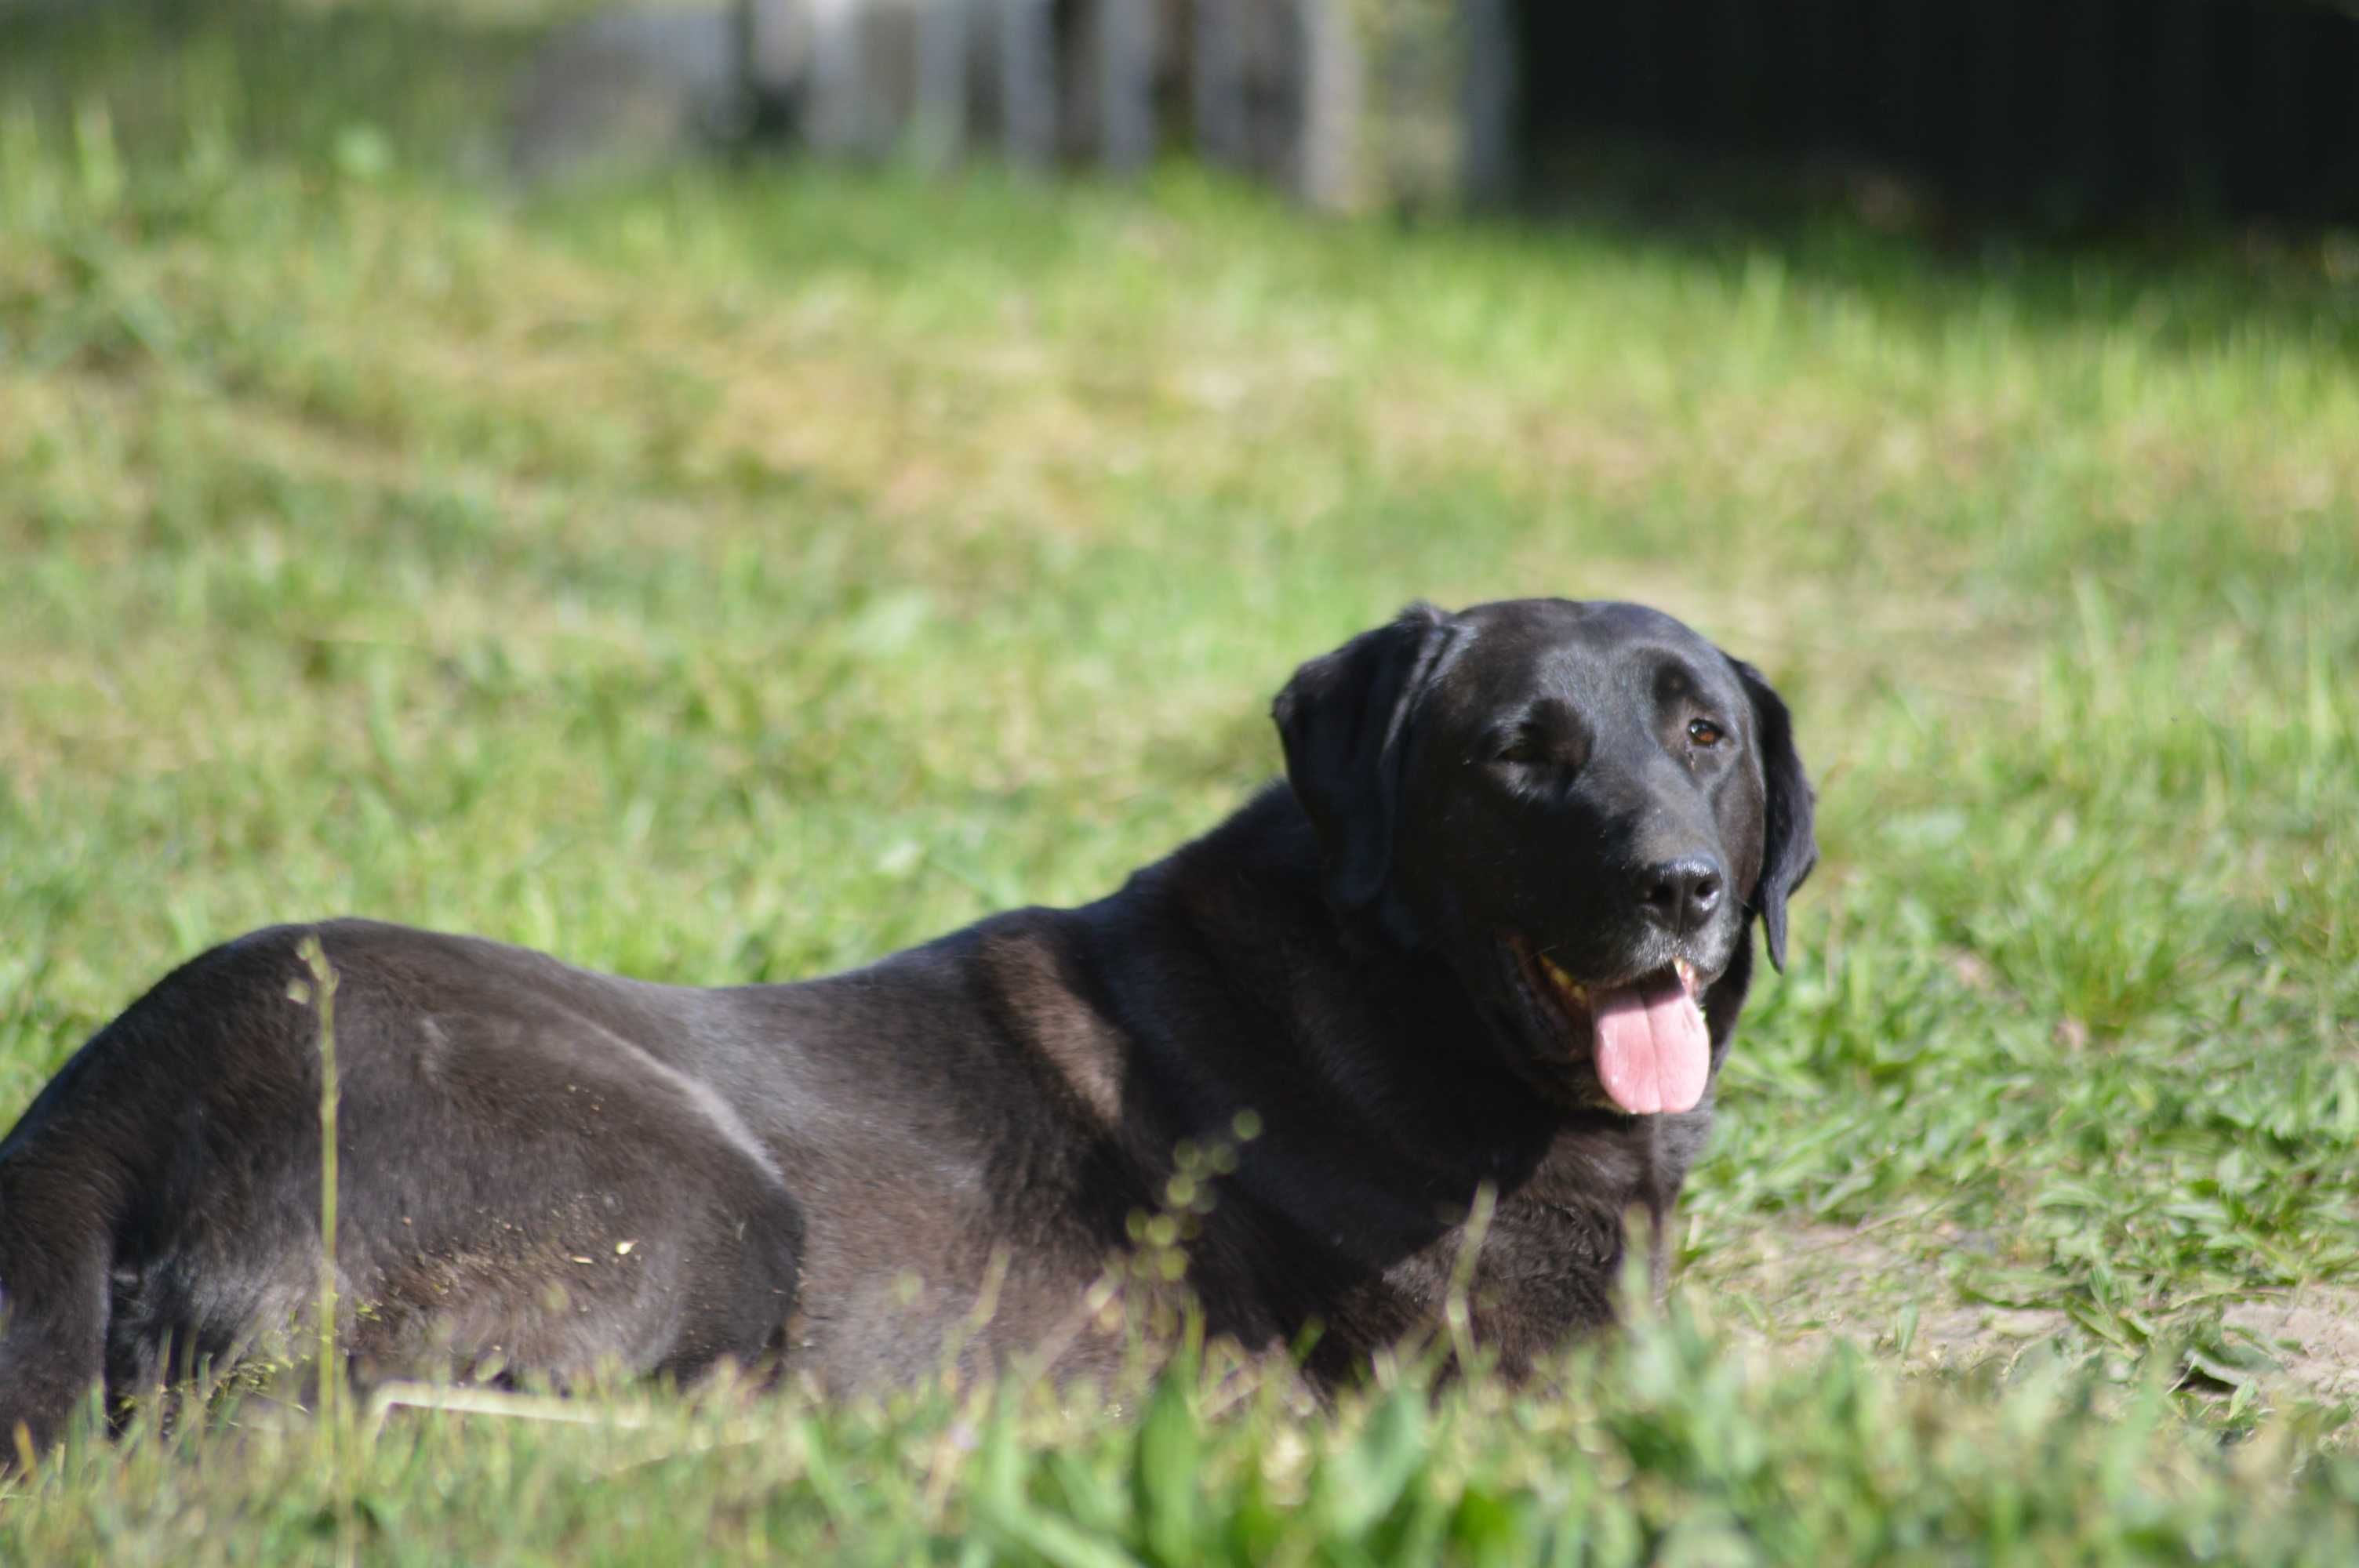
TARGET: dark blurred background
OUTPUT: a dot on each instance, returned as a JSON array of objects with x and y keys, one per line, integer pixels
[
  {"x": 2076, "y": 119},
  {"x": 2083, "y": 113}
]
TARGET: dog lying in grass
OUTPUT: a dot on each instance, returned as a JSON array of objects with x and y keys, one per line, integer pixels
[{"x": 1491, "y": 933}]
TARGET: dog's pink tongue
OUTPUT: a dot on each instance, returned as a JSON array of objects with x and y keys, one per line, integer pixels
[{"x": 1653, "y": 1054}]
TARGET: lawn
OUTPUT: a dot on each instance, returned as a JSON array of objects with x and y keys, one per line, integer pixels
[{"x": 736, "y": 574}]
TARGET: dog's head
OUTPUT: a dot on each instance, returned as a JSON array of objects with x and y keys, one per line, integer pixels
[{"x": 1580, "y": 807}]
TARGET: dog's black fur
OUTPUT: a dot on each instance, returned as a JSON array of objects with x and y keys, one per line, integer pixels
[{"x": 546, "y": 1170}]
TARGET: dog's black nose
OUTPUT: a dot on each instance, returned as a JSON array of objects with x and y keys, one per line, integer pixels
[{"x": 1681, "y": 894}]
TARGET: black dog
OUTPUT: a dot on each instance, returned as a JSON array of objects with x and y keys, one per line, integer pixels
[{"x": 1494, "y": 930}]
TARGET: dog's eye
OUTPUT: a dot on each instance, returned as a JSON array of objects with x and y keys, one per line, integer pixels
[
  {"x": 1525, "y": 743},
  {"x": 1704, "y": 733}
]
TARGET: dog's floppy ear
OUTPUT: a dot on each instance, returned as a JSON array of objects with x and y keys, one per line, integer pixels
[
  {"x": 1343, "y": 718},
  {"x": 1788, "y": 846}
]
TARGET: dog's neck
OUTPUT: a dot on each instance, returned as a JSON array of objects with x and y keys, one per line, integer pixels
[
  {"x": 1385, "y": 1104},
  {"x": 1384, "y": 1036}
]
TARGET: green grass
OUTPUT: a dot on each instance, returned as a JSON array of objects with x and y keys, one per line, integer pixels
[{"x": 732, "y": 576}]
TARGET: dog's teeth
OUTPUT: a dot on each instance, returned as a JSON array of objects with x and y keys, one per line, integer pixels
[
  {"x": 1563, "y": 981},
  {"x": 1686, "y": 971}
]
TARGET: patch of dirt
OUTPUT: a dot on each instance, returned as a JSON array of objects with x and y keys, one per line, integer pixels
[
  {"x": 2312, "y": 1333},
  {"x": 1792, "y": 1290},
  {"x": 1798, "y": 1287}
]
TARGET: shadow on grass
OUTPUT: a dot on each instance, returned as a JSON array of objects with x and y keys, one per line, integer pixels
[
  {"x": 1848, "y": 226},
  {"x": 280, "y": 80}
]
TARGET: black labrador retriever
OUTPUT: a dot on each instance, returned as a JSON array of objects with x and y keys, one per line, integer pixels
[{"x": 1494, "y": 930}]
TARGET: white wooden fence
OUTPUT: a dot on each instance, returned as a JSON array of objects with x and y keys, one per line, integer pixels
[{"x": 1354, "y": 101}]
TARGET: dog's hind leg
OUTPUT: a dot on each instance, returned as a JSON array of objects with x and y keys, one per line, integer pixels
[
  {"x": 525, "y": 1192},
  {"x": 59, "y": 1208},
  {"x": 52, "y": 1333},
  {"x": 547, "y": 1198}
]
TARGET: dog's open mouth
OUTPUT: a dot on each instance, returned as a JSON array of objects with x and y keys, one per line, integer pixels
[{"x": 1646, "y": 1037}]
